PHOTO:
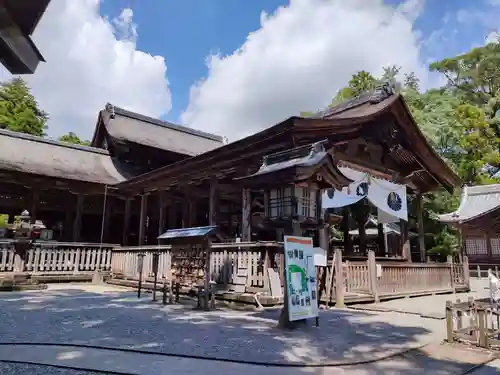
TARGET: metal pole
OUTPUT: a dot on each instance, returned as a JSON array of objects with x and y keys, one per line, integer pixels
[
  {"x": 139, "y": 286},
  {"x": 140, "y": 266},
  {"x": 154, "y": 285}
]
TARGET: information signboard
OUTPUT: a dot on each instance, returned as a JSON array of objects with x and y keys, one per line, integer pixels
[{"x": 300, "y": 278}]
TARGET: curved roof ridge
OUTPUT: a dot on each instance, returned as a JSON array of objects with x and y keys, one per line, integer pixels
[
  {"x": 53, "y": 142},
  {"x": 166, "y": 124},
  {"x": 476, "y": 201}
]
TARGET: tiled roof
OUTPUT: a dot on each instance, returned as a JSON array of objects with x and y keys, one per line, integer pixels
[
  {"x": 35, "y": 155},
  {"x": 476, "y": 201},
  {"x": 133, "y": 127}
]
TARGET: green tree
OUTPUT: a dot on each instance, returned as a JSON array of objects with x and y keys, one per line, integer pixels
[
  {"x": 474, "y": 75},
  {"x": 74, "y": 139},
  {"x": 19, "y": 110},
  {"x": 359, "y": 83},
  {"x": 474, "y": 79}
]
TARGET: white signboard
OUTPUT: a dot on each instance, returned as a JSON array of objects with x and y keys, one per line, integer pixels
[
  {"x": 378, "y": 267},
  {"x": 319, "y": 257},
  {"x": 300, "y": 278}
]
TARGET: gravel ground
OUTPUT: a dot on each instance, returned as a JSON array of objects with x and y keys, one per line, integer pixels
[
  {"x": 117, "y": 319},
  {"x": 23, "y": 369}
]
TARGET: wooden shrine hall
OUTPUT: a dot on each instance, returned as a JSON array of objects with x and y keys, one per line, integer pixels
[
  {"x": 374, "y": 133},
  {"x": 477, "y": 220},
  {"x": 70, "y": 187},
  {"x": 142, "y": 176}
]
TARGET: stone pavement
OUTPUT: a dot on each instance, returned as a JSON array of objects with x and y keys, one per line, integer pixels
[
  {"x": 114, "y": 318},
  {"x": 434, "y": 359},
  {"x": 111, "y": 317},
  {"x": 428, "y": 306}
]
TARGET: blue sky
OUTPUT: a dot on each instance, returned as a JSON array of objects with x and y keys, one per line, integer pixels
[
  {"x": 186, "y": 31},
  {"x": 235, "y": 67}
]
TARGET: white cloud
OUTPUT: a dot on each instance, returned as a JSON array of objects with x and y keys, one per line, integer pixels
[
  {"x": 90, "y": 61},
  {"x": 298, "y": 59}
]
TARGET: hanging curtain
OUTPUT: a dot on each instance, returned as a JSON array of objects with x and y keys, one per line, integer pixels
[{"x": 388, "y": 197}]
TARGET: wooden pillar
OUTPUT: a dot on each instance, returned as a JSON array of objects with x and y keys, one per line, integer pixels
[
  {"x": 35, "y": 198},
  {"x": 77, "y": 223},
  {"x": 192, "y": 211},
  {"x": 162, "y": 200},
  {"x": 126, "y": 221},
  {"x": 421, "y": 234},
  {"x": 142, "y": 219},
  {"x": 172, "y": 216},
  {"x": 107, "y": 211},
  {"x": 345, "y": 228},
  {"x": 68, "y": 228},
  {"x": 381, "y": 245},
  {"x": 246, "y": 215},
  {"x": 361, "y": 219},
  {"x": 405, "y": 240},
  {"x": 213, "y": 202},
  {"x": 488, "y": 244}
]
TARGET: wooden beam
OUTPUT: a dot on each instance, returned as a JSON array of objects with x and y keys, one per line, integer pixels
[
  {"x": 172, "y": 216},
  {"x": 345, "y": 228},
  {"x": 421, "y": 233},
  {"x": 126, "y": 221},
  {"x": 162, "y": 198},
  {"x": 246, "y": 216},
  {"x": 142, "y": 218},
  {"x": 35, "y": 198},
  {"x": 213, "y": 204},
  {"x": 77, "y": 223}
]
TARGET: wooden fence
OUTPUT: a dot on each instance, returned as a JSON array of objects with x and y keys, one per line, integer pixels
[
  {"x": 369, "y": 279},
  {"x": 475, "y": 322},
  {"x": 55, "y": 257},
  {"x": 228, "y": 262},
  {"x": 240, "y": 267}
]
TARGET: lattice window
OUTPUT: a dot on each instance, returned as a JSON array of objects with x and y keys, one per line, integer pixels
[
  {"x": 495, "y": 246},
  {"x": 303, "y": 200},
  {"x": 476, "y": 246}
]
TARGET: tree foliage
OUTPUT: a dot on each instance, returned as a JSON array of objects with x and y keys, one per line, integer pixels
[
  {"x": 19, "y": 111},
  {"x": 461, "y": 120},
  {"x": 74, "y": 139}
]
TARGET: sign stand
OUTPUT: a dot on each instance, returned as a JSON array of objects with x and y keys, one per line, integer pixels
[{"x": 300, "y": 279}]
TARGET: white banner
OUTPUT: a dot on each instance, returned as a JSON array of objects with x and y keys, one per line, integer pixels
[{"x": 386, "y": 196}]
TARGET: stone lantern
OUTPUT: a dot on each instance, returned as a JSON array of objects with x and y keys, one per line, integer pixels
[{"x": 22, "y": 240}]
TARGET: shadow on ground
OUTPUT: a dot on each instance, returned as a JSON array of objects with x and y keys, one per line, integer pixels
[{"x": 120, "y": 320}]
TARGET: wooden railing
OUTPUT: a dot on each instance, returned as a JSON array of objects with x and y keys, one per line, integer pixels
[
  {"x": 232, "y": 262},
  {"x": 474, "y": 322},
  {"x": 234, "y": 266},
  {"x": 55, "y": 257},
  {"x": 357, "y": 277},
  {"x": 407, "y": 278},
  {"x": 228, "y": 263}
]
